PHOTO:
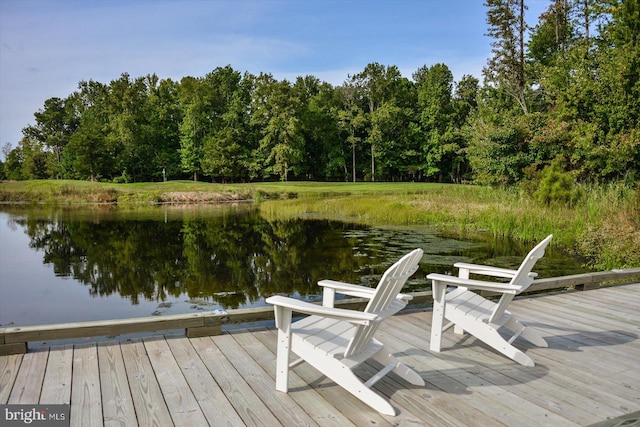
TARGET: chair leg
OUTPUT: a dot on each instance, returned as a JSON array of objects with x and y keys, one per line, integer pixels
[
  {"x": 405, "y": 372},
  {"x": 439, "y": 290},
  {"x": 283, "y": 321}
]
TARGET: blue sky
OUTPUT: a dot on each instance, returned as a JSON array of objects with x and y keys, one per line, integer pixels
[{"x": 48, "y": 46}]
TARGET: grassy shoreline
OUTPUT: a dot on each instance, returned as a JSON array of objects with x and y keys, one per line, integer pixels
[{"x": 604, "y": 228}]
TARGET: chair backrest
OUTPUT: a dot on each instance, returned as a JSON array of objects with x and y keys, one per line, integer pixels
[
  {"x": 523, "y": 278},
  {"x": 386, "y": 292}
]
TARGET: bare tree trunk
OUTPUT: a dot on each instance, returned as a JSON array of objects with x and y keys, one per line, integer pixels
[{"x": 586, "y": 20}]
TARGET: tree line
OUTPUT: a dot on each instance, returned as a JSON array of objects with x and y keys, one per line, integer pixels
[{"x": 563, "y": 93}]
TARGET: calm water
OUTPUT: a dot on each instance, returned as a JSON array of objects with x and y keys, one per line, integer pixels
[{"x": 64, "y": 265}]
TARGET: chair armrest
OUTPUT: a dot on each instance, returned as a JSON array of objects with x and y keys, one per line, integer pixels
[
  {"x": 356, "y": 290},
  {"x": 486, "y": 270},
  {"x": 352, "y": 316},
  {"x": 474, "y": 284},
  {"x": 348, "y": 288},
  {"x": 404, "y": 297}
]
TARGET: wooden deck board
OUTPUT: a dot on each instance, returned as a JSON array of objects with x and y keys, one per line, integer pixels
[
  {"x": 29, "y": 380},
  {"x": 215, "y": 405},
  {"x": 56, "y": 388},
  {"x": 246, "y": 402},
  {"x": 586, "y": 375},
  {"x": 86, "y": 398},
  {"x": 149, "y": 404},
  {"x": 117, "y": 403},
  {"x": 180, "y": 400},
  {"x": 9, "y": 368}
]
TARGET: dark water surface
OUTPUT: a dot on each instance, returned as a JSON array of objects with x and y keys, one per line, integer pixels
[{"x": 66, "y": 265}]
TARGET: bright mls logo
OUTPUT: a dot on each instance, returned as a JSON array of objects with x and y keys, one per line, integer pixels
[{"x": 36, "y": 415}]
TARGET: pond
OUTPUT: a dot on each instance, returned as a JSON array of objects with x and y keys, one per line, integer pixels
[{"x": 80, "y": 264}]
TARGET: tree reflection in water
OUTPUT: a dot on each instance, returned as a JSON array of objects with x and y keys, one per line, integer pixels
[{"x": 232, "y": 257}]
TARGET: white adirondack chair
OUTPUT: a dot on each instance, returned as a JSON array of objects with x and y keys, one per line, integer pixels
[
  {"x": 335, "y": 340},
  {"x": 485, "y": 319}
]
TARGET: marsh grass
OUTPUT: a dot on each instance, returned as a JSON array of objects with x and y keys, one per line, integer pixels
[{"x": 605, "y": 228}]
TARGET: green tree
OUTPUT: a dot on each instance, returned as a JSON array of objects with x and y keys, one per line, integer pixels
[
  {"x": 435, "y": 86},
  {"x": 12, "y": 162},
  {"x": 351, "y": 122},
  {"x": 127, "y": 125},
  {"x": 553, "y": 34},
  {"x": 377, "y": 85},
  {"x": 323, "y": 154},
  {"x": 192, "y": 126},
  {"x": 89, "y": 154},
  {"x": 506, "y": 68},
  {"x": 55, "y": 123},
  {"x": 164, "y": 129},
  {"x": 225, "y": 151},
  {"x": 34, "y": 158},
  {"x": 281, "y": 141}
]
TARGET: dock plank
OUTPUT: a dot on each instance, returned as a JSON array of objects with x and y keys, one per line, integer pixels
[
  {"x": 56, "y": 388},
  {"x": 284, "y": 408},
  {"x": 28, "y": 383},
  {"x": 9, "y": 368},
  {"x": 248, "y": 405},
  {"x": 149, "y": 404},
  {"x": 117, "y": 403},
  {"x": 181, "y": 402},
  {"x": 488, "y": 398},
  {"x": 214, "y": 404},
  {"x": 86, "y": 409}
]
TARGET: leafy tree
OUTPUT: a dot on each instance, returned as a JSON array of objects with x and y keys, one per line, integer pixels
[
  {"x": 34, "y": 159},
  {"x": 506, "y": 69},
  {"x": 435, "y": 86},
  {"x": 316, "y": 109},
  {"x": 376, "y": 83},
  {"x": 226, "y": 99},
  {"x": 192, "y": 126},
  {"x": 12, "y": 162},
  {"x": 351, "y": 122},
  {"x": 281, "y": 141},
  {"x": 89, "y": 154},
  {"x": 498, "y": 143},
  {"x": 553, "y": 34},
  {"x": 55, "y": 124},
  {"x": 127, "y": 125},
  {"x": 163, "y": 133}
]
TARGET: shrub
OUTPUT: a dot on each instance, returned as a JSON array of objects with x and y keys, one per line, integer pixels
[
  {"x": 557, "y": 186},
  {"x": 615, "y": 241}
]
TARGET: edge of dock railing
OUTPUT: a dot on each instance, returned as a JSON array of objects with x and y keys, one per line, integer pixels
[{"x": 14, "y": 340}]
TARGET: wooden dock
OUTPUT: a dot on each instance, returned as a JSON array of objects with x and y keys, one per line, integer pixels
[{"x": 589, "y": 373}]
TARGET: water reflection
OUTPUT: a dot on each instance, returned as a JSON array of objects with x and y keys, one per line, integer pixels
[{"x": 228, "y": 257}]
